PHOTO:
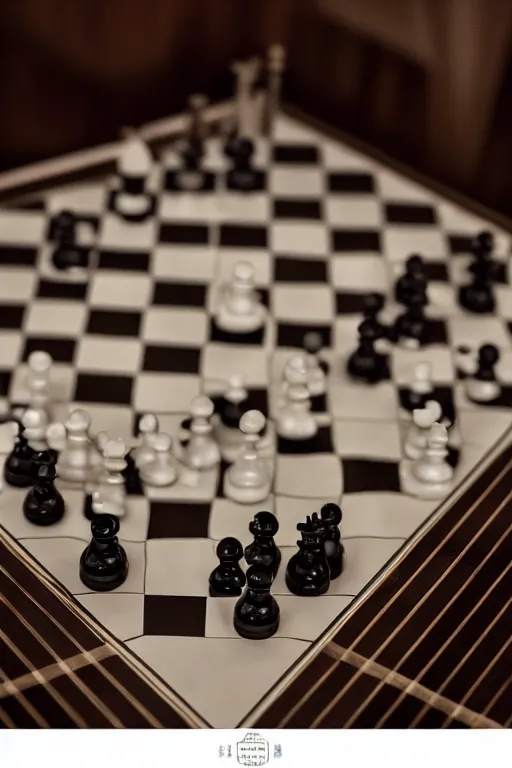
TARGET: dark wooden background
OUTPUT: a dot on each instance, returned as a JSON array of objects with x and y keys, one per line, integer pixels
[{"x": 75, "y": 71}]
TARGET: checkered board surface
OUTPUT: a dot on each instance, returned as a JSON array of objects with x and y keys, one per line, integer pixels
[{"x": 137, "y": 335}]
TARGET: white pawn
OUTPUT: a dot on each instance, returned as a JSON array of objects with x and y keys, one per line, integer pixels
[
  {"x": 240, "y": 309},
  {"x": 248, "y": 479},
  {"x": 74, "y": 460},
  {"x": 148, "y": 428},
  {"x": 431, "y": 470},
  {"x": 422, "y": 379},
  {"x": 317, "y": 382},
  {"x": 160, "y": 470},
  {"x": 35, "y": 424},
  {"x": 110, "y": 497},
  {"x": 56, "y": 436},
  {"x": 38, "y": 380},
  {"x": 202, "y": 452},
  {"x": 422, "y": 420},
  {"x": 294, "y": 420}
]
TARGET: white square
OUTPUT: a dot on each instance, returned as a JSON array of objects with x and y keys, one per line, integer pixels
[
  {"x": 56, "y": 318},
  {"x": 300, "y": 303},
  {"x": 118, "y": 234},
  {"x": 396, "y": 188},
  {"x": 311, "y": 476},
  {"x": 179, "y": 566},
  {"x": 62, "y": 383},
  {"x": 121, "y": 614},
  {"x": 504, "y": 300},
  {"x": 186, "y": 263},
  {"x": 16, "y": 284},
  {"x": 175, "y": 326},
  {"x": 22, "y": 227},
  {"x": 350, "y": 400},
  {"x": 474, "y": 331},
  {"x": 104, "y": 353},
  {"x": 116, "y": 420},
  {"x": 404, "y": 361},
  {"x": 291, "y": 237},
  {"x": 172, "y": 393},
  {"x": 261, "y": 262},
  {"x": 296, "y": 182},
  {"x": 219, "y": 361},
  {"x": 365, "y": 273},
  {"x": 442, "y": 300},
  {"x": 345, "y": 335},
  {"x": 251, "y": 208},
  {"x": 120, "y": 289},
  {"x": 457, "y": 221},
  {"x": 354, "y": 211},
  {"x": 367, "y": 439},
  {"x": 384, "y": 515},
  {"x": 84, "y": 198},
  {"x": 338, "y": 157},
  {"x": 400, "y": 242},
  {"x": 189, "y": 207},
  {"x": 289, "y": 131},
  {"x": 190, "y": 486},
  {"x": 228, "y": 518},
  {"x": 10, "y": 348}
]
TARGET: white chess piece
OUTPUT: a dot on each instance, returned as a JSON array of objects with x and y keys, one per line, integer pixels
[
  {"x": 316, "y": 379},
  {"x": 246, "y": 73},
  {"x": 430, "y": 476},
  {"x": 422, "y": 420},
  {"x": 134, "y": 163},
  {"x": 276, "y": 61},
  {"x": 160, "y": 471},
  {"x": 35, "y": 424},
  {"x": 202, "y": 452},
  {"x": 248, "y": 479},
  {"x": 110, "y": 496},
  {"x": 230, "y": 439},
  {"x": 294, "y": 419},
  {"x": 144, "y": 452},
  {"x": 74, "y": 460},
  {"x": 240, "y": 309},
  {"x": 38, "y": 380},
  {"x": 422, "y": 379},
  {"x": 56, "y": 436}
]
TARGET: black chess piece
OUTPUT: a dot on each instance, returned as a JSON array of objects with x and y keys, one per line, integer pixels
[
  {"x": 227, "y": 579},
  {"x": 328, "y": 523},
  {"x": 412, "y": 324},
  {"x": 257, "y": 615},
  {"x": 366, "y": 364},
  {"x": 190, "y": 177},
  {"x": 478, "y": 296},
  {"x": 132, "y": 481},
  {"x": 483, "y": 244},
  {"x": 41, "y": 458},
  {"x": 104, "y": 564},
  {"x": 485, "y": 387},
  {"x": 43, "y": 504},
  {"x": 242, "y": 177},
  {"x": 263, "y": 551},
  {"x": 307, "y": 573},
  {"x": 67, "y": 254},
  {"x": 18, "y": 465},
  {"x": 412, "y": 280},
  {"x": 64, "y": 226}
]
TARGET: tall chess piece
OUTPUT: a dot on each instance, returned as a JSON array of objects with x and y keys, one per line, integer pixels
[
  {"x": 43, "y": 504},
  {"x": 144, "y": 452},
  {"x": 328, "y": 524},
  {"x": 246, "y": 74},
  {"x": 294, "y": 420},
  {"x": 39, "y": 365},
  {"x": 161, "y": 470},
  {"x": 248, "y": 480},
  {"x": 110, "y": 497},
  {"x": 276, "y": 62},
  {"x": 483, "y": 385},
  {"x": 104, "y": 564},
  {"x": 74, "y": 460},
  {"x": 308, "y": 573},
  {"x": 263, "y": 551},
  {"x": 227, "y": 579},
  {"x": 240, "y": 310},
  {"x": 257, "y": 614},
  {"x": 202, "y": 452}
]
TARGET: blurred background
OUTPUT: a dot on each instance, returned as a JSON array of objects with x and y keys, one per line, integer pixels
[{"x": 427, "y": 81}]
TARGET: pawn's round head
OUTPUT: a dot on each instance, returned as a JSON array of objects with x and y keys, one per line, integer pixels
[
  {"x": 229, "y": 549},
  {"x": 414, "y": 265},
  {"x": 148, "y": 423},
  {"x": 161, "y": 442},
  {"x": 78, "y": 421},
  {"x": 484, "y": 242},
  {"x": 202, "y": 407},
  {"x": 114, "y": 449},
  {"x": 39, "y": 361},
  {"x": 488, "y": 354},
  {"x": 33, "y": 419},
  {"x": 240, "y": 147},
  {"x": 252, "y": 422},
  {"x": 45, "y": 457},
  {"x": 105, "y": 527},
  {"x": 331, "y": 513},
  {"x": 368, "y": 330},
  {"x": 259, "y": 579},
  {"x": 264, "y": 524},
  {"x": 65, "y": 218},
  {"x": 243, "y": 272},
  {"x": 374, "y": 302}
]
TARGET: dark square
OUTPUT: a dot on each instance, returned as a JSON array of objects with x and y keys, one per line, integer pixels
[
  {"x": 243, "y": 236},
  {"x": 350, "y": 303},
  {"x": 132, "y": 218},
  {"x": 184, "y": 234},
  {"x": 344, "y": 240},
  {"x": 93, "y": 388},
  {"x": 351, "y": 182},
  {"x": 500, "y": 273},
  {"x": 11, "y": 315},
  {"x": 129, "y": 261},
  {"x": 293, "y": 335},
  {"x": 285, "y": 208},
  {"x": 401, "y": 213},
  {"x": 92, "y": 221},
  {"x": 460, "y": 244},
  {"x": 259, "y": 182},
  {"x": 223, "y": 468},
  {"x": 171, "y": 182},
  {"x": 179, "y": 294},
  {"x": 320, "y": 443},
  {"x": 165, "y": 359},
  {"x": 257, "y": 399},
  {"x": 361, "y": 475},
  {"x": 436, "y": 332},
  {"x": 290, "y": 270},
  {"x": 319, "y": 404},
  {"x": 225, "y": 337},
  {"x": 113, "y": 323},
  {"x": 436, "y": 270},
  {"x": 5, "y": 383},
  {"x": 296, "y": 154},
  {"x": 53, "y": 289},
  {"x": 178, "y": 520},
  {"x": 12, "y": 256},
  {"x": 61, "y": 350},
  {"x": 173, "y": 616},
  {"x": 443, "y": 395}
]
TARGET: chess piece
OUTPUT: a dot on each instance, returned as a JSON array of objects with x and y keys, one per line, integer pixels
[
  {"x": 421, "y": 388},
  {"x": 294, "y": 420},
  {"x": 478, "y": 295},
  {"x": 366, "y": 364},
  {"x": 373, "y": 306},
  {"x": 430, "y": 476},
  {"x": 242, "y": 177},
  {"x": 413, "y": 280},
  {"x": 43, "y": 504},
  {"x": 276, "y": 61},
  {"x": 411, "y": 326},
  {"x": 307, "y": 573},
  {"x": 248, "y": 479},
  {"x": 483, "y": 386},
  {"x": 246, "y": 74},
  {"x": 144, "y": 452},
  {"x": 263, "y": 551},
  {"x": 316, "y": 378},
  {"x": 35, "y": 426},
  {"x": 67, "y": 254},
  {"x": 202, "y": 452},
  {"x": 231, "y": 408},
  {"x": 422, "y": 421},
  {"x": 227, "y": 579},
  {"x": 257, "y": 615},
  {"x": 74, "y": 459},
  {"x": 328, "y": 524},
  {"x": 39, "y": 381},
  {"x": 104, "y": 564},
  {"x": 131, "y": 201},
  {"x": 160, "y": 471},
  {"x": 110, "y": 496},
  {"x": 191, "y": 178},
  {"x": 18, "y": 465},
  {"x": 240, "y": 310}
]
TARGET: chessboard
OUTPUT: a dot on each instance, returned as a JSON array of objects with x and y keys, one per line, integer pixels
[{"x": 135, "y": 333}]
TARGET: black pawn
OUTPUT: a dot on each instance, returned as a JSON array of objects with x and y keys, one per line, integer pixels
[
  {"x": 192, "y": 155},
  {"x": 43, "y": 504},
  {"x": 64, "y": 226},
  {"x": 257, "y": 614},
  {"x": 132, "y": 481},
  {"x": 242, "y": 177},
  {"x": 227, "y": 579},
  {"x": 42, "y": 458},
  {"x": 478, "y": 296},
  {"x": 488, "y": 357},
  {"x": 103, "y": 564},
  {"x": 412, "y": 323},
  {"x": 307, "y": 573},
  {"x": 483, "y": 244},
  {"x": 412, "y": 280},
  {"x": 366, "y": 364},
  {"x": 18, "y": 465},
  {"x": 263, "y": 551},
  {"x": 67, "y": 254},
  {"x": 329, "y": 521}
]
